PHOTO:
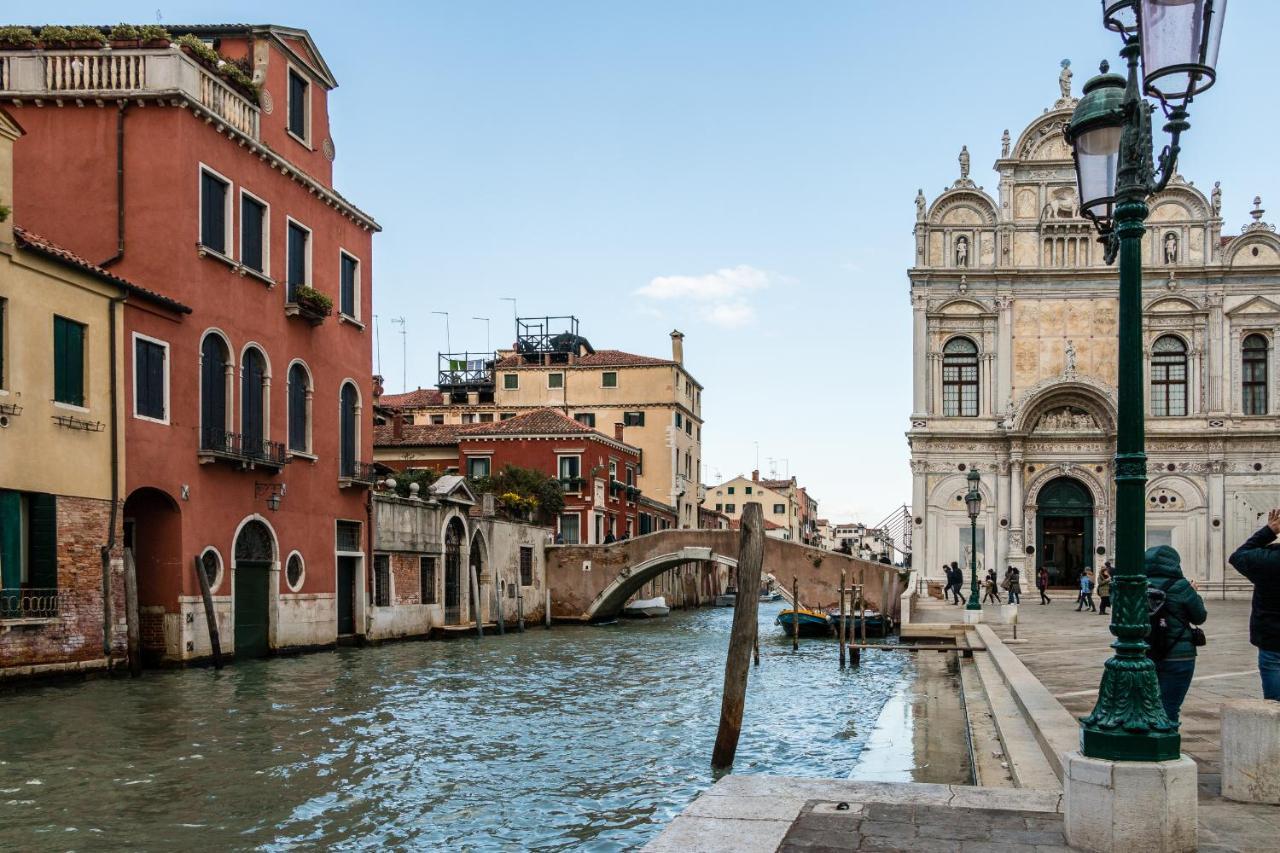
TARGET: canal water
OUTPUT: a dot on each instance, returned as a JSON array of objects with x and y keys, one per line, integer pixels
[{"x": 579, "y": 738}]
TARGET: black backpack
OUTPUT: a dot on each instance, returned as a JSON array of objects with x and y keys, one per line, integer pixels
[{"x": 1161, "y": 639}]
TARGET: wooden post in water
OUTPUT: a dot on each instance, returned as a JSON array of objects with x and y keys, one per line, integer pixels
[
  {"x": 755, "y": 646},
  {"x": 862, "y": 611},
  {"x": 520, "y": 609},
  {"x": 855, "y": 653},
  {"x": 795, "y": 615},
  {"x": 745, "y": 617},
  {"x": 546, "y": 613},
  {"x": 475, "y": 602},
  {"x": 841, "y": 629},
  {"x": 133, "y": 631},
  {"x": 210, "y": 619},
  {"x": 502, "y": 630}
]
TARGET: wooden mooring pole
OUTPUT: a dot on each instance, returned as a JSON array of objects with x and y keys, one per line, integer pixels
[
  {"x": 210, "y": 619},
  {"x": 133, "y": 631},
  {"x": 745, "y": 618},
  {"x": 520, "y": 609},
  {"x": 795, "y": 612},
  {"x": 546, "y": 613},
  {"x": 475, "y": 602},
  {"x": 501, "y": 591},
  {"x": 842, "y": 628}
]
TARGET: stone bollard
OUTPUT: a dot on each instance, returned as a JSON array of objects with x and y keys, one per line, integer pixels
[
  {"x": 1008, "y": 614},
  {"x": 1251, "y": 751},
  {"x": 972, "y": 617},
  {"x": 1129, "y": 806}
]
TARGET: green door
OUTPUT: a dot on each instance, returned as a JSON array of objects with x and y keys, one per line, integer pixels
[
  {"x": 1064, "y": 531},
  {"x": 253, "y": 583}
]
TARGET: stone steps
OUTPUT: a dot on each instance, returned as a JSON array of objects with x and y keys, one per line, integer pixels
[{"x": 1023, "y": 754}]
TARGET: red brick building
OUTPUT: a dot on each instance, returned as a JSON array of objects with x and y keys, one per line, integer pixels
[{"x": 247, "y": 448}]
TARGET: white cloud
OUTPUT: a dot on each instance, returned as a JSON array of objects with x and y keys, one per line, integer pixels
[{"x": 722, "y": 294}]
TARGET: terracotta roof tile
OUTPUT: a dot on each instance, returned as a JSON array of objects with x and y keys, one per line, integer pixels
[
  {"x": 410, "y": 399},
  {"x": 599, "y": 358},
  {"x": 416, "y": 435},
  {"x": 537, "y": 422},
  {"x": 46, "y": 247}
]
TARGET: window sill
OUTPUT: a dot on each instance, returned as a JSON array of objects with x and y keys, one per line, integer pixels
[
  {"x": 250, "y": 272},
  {"x": 298, "y": 139},
  {"x": 161, "y": 421},
  {"x": 32, "y": 621},
  {"x": 70, "y": 407},
  {"x": 206, "y": 252},
  {"x": 301, "y": 454},
  {"x": 347, "y": 318}
]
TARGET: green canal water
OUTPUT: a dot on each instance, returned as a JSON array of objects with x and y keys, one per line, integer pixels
[{"x": 579, "y": 738}]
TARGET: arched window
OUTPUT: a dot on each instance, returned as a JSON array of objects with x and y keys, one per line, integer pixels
[
  {"x": 1169, "y": 377},
  {"x": 347, "y": 426},
  {"x": 253, "y": 393},
  {"x": 299, "y": 409},
  {"x": 214, "y": 358},
  {"x": 1253, "y": 357},
  {"x": 960, "y": 378}
]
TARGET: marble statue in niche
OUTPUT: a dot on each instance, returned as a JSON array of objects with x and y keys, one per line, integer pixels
[
  {"x": 962, "y": 251},
  {"x": 1170, "y": 247},
  {"x": 1070, "y": 356}
]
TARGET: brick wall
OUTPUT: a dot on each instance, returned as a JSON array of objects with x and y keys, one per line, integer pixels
[
  {"x": 404, "y": 571},
  {"x": 76, "y": 633}
]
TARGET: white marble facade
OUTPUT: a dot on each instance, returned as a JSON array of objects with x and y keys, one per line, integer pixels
[{"x": 1010, "y": 294}]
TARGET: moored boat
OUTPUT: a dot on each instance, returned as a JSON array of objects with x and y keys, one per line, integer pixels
[
  {"x": 812, "y": 623},
  {"x": 647, "y": 607},
  {"x": 878, "y": 625},
  {"x": 728, "y": 598}
]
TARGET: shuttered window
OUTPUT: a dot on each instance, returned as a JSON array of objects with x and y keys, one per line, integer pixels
[
  {"x": 299, "y": 384},
  {"x": 30, "y": 519},
  {"x": 381, "y": 580},
  {"x": 149, "y": 379},
  {"x": 427, "y": 580},
  {"x": 298, "y": 237},
  {"x": 253, "y": 220},
  {"x": 297, "y": 104},
  {"x": 213, "y": 212},
  {"x": 526, "y": 566},
  {"x": 4, "y": 304},
  {"x": 350, "y": 270},
  {"x": 68, "y": 361},
  {"x": 253, "y": 378}
]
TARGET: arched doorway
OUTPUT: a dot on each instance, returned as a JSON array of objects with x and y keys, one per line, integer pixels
[
  {"x": 153, "y": 545},
  {"x": 254, "y": 556},
  {"x": 1064, "y": 530},
  {"x": 476, "y": 563},
  {"x": 453, "y": 572}
]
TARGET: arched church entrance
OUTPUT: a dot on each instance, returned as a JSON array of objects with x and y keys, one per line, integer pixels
[{"x": 1064, "y": 530}]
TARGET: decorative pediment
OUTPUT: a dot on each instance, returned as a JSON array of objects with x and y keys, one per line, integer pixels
[
  {"x": 1258, "y": 306},
  {"x": 1172, "y": 305},
  {"x": 963, "y": 207},
  {"x": 1253, "y": 248},
  {"x": 452, "y": 488},
  {"x": 962, "y": 307},
  {"x": 1043, "y": 139}
]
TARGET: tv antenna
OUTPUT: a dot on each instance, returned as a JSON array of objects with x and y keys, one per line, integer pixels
[
  {"x": 377, "y": 343},
  {"x": 488, "y": 342},
  {"x": 404, "y": 349},
  {"x": 448, "y": 344}
]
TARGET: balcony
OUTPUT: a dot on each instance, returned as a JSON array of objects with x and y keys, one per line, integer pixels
[
  {"x": 79, "y": 75},
  {"x": 29, "y": 603},
  {"x": 571, "y": 485},
  {"x": 240, "y": 450},
  {"x": 355, "y": 473}
]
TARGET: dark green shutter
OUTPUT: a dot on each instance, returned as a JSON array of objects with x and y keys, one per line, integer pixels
[
  {"x": 148, "y": 366},
  {"x": 251, "y": 234},
  {"x": 348, "y": 294},
  {"x": 213, "y": 207},
  {"x": 297, "y": 272},
  {"x": 68, "y": 361},
  {"x": 42, "y": 541},
  {"x": 10, "y": 539}
]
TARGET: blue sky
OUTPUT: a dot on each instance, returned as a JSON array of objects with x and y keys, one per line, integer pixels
[{"x": 759, "y": 160}]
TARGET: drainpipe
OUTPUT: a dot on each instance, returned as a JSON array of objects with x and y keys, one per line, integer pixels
[
  {"x": 115, "y": 484},
  {"x": 120, "y": 110}
]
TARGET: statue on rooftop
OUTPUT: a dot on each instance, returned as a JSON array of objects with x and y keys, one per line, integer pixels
[
  {"x": 1064, "y": 79},
  {"x": 920, "y": 203},
  {"x": 964, "y": 162},
  {"x": 1004, "y": 143},
  {"x": 1215, "y": 198}
]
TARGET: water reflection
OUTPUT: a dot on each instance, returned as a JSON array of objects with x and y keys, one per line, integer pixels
[{"x": 577, "y": 738}]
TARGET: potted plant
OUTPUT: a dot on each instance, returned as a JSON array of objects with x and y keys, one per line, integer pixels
[
  {"x": 238, "y": 76},
  {"x": 17, "y": 38},
  {"x": 199, "y": 51},
  {"x": 86, "y": 38},
  {"x": 312, "y": 304},
  {"x": 125, "y": 36},
  {"x": 154, "y": 35}
]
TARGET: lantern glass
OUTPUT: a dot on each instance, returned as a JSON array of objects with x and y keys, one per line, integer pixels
[
  {"x": 1179, "y": 46},
  {"x": 1120, "y": 16},
  {"x": 1097, "y": 153},
  {"x": 973, "y": 501}
]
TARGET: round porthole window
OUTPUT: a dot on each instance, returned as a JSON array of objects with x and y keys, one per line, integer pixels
[
  {"x": 295, "y": 571},
  {"x": 211, "y": 565}
]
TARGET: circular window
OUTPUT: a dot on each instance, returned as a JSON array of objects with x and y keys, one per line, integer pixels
[
  {"x": 295, "y": 571},
  {"x": 1031, "y": 469},
  {"x": 1097, "y": 469},
  {"x": 1171, "y": 467},
  {"x": 1217, "y": 522},
  {"x": 1257, "y": 466},
  {"x": 1101, "y": 550},
  {"x": 211, "y": 564},
  {"x": 1031, "y": 549},
  {"x": 960, "y": 466}
]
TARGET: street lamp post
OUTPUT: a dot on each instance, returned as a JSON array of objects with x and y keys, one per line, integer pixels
[
  {"x": 973, "y": 502},
  {"x": 1110, "y": 136}
]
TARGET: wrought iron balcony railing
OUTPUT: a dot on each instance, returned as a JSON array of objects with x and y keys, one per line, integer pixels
[
  {"x": 245, "y": 451},
  {"x": 29, "y": 603},
  {"x": 353, "y": 471}
]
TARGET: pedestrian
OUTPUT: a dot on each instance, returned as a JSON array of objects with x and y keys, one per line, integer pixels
[
  {"x": 1175, "y": 607},
  {"x": 1085, "y": 601},
  {"x": 1042, "y": 584},
  {"x": 959, "y": 582},
  {"x": 990, "y": 586},
  {"x": 1012, "y": 584},
  {"x": 1261, "y": 565},
  {"x": 955, "y": 577},
  {"x": 1104, "y": 588}
]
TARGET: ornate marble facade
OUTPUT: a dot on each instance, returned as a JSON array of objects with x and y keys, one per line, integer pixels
[{"x": 1015, "y": 365}]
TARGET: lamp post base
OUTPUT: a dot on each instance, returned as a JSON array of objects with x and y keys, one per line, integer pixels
[{"x": 1130, "y": 805}]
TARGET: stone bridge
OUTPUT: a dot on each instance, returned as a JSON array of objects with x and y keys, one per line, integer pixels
[{"x": 593, "y": 582}]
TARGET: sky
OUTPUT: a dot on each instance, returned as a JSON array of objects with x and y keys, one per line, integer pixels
[{"x": 742, "y": 171}]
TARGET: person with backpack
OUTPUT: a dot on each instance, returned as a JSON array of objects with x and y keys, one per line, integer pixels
[
  {"x": 1261, "y": 565},
  {"x": 1042, "y": 584},
  {"x": 1085, "y": 601},
  {"x": 989, "y": 585},
  {"x": 1104, "y": 588},
  {"x": 956, "y": 584},
  {"x": 1175, "y": 609},
  {"x": 1012, "y": 585}
]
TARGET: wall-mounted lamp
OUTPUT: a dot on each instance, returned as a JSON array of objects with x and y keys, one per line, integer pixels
[{"x": 273, "y": 491}]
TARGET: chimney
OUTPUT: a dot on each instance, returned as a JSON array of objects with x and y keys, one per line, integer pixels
[
  {"x": 677, "y": 346},
  {"x": 397, "y": 423},
  {"x": 9, "y": 133},
  {"x": 755, "y": 476},
  {"x": 617, "y": 431}
]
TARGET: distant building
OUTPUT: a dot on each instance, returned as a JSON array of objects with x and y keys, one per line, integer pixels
[
  {"x": 784, "y": 504},
  {"x": 552, "y": 365}
]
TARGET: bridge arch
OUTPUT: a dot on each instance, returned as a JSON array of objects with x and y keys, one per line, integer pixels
[{"x": 630, "y": 579}]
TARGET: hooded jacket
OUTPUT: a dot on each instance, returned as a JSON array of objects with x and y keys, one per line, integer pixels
[
  {"x": 1261, "y": 565},
  {"x": 1183, "y": 604}
]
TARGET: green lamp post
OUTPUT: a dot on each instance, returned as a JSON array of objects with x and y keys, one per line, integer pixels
[
  {"x": 1110, "y": 136},
  {"x": 973, "y": 502}
]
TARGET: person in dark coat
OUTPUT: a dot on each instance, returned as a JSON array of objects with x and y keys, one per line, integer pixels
[
  {"x": 955, "y": 578},
  {"x": 1104, "y": 588},
  {"x": 990, "y": 585},
  {"x": 1042, "y": 584},
  {"x": 1261, "y": 565},
  {"x": 1184, "y": 608},
  {"x": 1013, "y": 585}
]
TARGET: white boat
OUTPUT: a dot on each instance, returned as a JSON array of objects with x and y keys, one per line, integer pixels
[{"x": 647, "y": 607}]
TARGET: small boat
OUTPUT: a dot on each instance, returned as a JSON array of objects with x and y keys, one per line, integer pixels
[
  {"x": 728, "y": 598},
  {"x": 647, "y": 607},
  {"x": 878, "y": 625},
  {"x": 813, "y": 623},
  {"x": 771, "y": 596}
]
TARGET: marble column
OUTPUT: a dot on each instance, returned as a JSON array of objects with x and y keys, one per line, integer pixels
[
  {"x": 1018, "y": 543},
  {"x": 920, "y": 559},
  {"x": 1216, "y": 487},
  {"x": 1004, "y": 353},
  {"x": 920, "y": 361},
  {"x": 1001, "y": 532}
]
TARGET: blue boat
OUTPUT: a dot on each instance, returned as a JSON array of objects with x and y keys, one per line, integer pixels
[{"x": 813, "y": 623}]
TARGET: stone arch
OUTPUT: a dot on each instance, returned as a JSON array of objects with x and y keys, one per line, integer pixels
[
  {"x": 453, "y": 532},
  {"x": 964, "y": 306},
  {"x": 1097, "y": 489},
  {"x": 1191, "y": 495},
  {"x": 630, "y": 579},
  {"x": 1184, "y": 201},
  {"x": 255, "y": 564},
  {"x": 153, "y": 542},
  {"x": 953, "y": 200},
  {"x": 1043, "y": 139},
  {"x": 1260, "y": 247},
  {"x": 943, "y": 494},
  {"x": 1080, "y": 391},
  {"x": 1170, "y": 304}
]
